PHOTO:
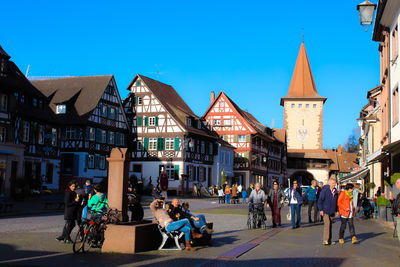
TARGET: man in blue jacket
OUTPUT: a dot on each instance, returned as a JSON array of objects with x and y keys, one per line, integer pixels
[
  {"x": 327, "y": 204},
  {"x": 311, "y": 193},
  {"x": 295, "y": 201}
]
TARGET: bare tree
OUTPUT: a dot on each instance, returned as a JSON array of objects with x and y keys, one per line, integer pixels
[{"x": 352, "y": 141}]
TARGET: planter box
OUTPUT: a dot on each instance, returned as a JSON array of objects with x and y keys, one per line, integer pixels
[{"x": 131, "y": 237}]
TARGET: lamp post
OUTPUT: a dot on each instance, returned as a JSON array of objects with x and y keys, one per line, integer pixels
[{"x": 366, "y": 10}]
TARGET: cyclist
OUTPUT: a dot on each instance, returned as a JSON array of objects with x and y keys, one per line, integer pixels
[
  {"x": 98, "y": 202},
  {"x": 256, "y": 199}
]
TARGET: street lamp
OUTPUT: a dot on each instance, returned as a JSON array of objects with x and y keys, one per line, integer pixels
[{"x": 366, "y": 10}]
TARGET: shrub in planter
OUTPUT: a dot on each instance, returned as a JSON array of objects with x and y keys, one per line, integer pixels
[
  {"x": 394, "y": 177},
  {"x": 370, "y": 186},
  {"x": 382, "y": 201}
]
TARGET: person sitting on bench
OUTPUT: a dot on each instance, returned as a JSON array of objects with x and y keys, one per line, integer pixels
[
  {"x": 168, "y": 224},
  {"x": 177, "y": 212}
]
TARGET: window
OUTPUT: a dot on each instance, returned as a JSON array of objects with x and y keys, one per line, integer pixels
[
  {"x": 217, "y": 122},
  {"x": 122, "y": 139},
  {"x": 111, "y": 138},
  {"x": 203, "y": 147},
  {"x": 25, "y": 132},
  {"x": 307, "y": 105},
  {"x": 90, "y": 163},
  {"x": 211, "y": 149},
  {"x": 61, "y": 109},
  {"x": 3, "y": 67},
  {"x": 41, "y": 135},
  {"x": 300, "y": 105},
  {"x": 221, "y": 104},
  {"x": 16, "y": 97},
  {"x": 202, "y": 174},
  {"x": 40, "y": 103},
  {"x": 34, "y": 102},
  {"x": 242, "y": 138},
  {"x": 138, "y": 83},
  {"x": 54, "y": 137},
  {"x": 22, "y": 99},
  {"x": 169, "y": 144},
  {"x": 3, "y": 103},
  {"x": 92, "y": 134},
  {"x": 199, "y": 125},
  {"x": 111, "y": 115},
  {"x": 103, "y": 111},
  {"x": 69, "y": 133},
  {"x": 152, "y": 121},
  {"x": 293, "y": 105},
  {"x": 139, "y": 100},
  {"x": 152, "y": 143},
  {"x": 314, "y": 105},
  {"x": 3, "y": 134},
  {"x": 102, "y": 163},
  {"x": 395, "y": 108},
  {"x": 189, "y": 121},
  {"x": 395, "y": 43},
  {"x": 139, "y": 146},
  {"x": 170, "y": 170},
  {"x": 103, "y": 136},
  {"x": 227, "y": 122}
]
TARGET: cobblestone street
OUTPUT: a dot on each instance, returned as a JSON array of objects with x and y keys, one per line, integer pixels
[{"x": 30, "y": 241}]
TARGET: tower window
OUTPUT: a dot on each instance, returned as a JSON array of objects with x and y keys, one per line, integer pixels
[
  {"x": 293, "y": 105},
  {"x": 314, "y": 105},
  {"x": 307, "y": 105},
  {"x": 300, "y": 105}
]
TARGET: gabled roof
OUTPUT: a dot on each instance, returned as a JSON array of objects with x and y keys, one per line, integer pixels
[
  {"x": 302, "y": 85},
  {"x": 174, "y": 104},
  {"x": 280, "y": 135},
  {"x": 343, "y": 161},
  {"x": 3, "y": 53},
  {"x": 249, "y": 118},
  {"x": 82, "y": 94}
]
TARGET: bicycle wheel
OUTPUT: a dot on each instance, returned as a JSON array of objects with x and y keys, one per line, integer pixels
[
  {"x": 79, "y": 238},
  {"x": 249, "y": 221},
  {"x": 88, "y": 241}
]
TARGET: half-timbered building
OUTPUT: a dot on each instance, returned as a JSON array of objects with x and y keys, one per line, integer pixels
[
  {"x": 29, "y": 134},
  {"x": 168, "y": 136},
  {"x": 93, "y": 119},
  {"x": 254, "y": 142}
]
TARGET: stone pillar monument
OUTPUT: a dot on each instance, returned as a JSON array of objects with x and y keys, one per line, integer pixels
[{"x": 118, "y": 166}]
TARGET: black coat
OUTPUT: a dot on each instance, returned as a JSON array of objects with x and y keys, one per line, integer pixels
[{"x": 70, "y": 211}]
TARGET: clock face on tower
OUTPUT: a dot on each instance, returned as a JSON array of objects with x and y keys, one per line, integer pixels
[{"x": 302, "y": 134}]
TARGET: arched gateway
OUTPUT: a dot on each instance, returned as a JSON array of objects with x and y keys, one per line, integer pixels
[{"x": 303, "y": 177}]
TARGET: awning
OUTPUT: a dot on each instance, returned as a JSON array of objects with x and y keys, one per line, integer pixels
[
  {"x": 355, "y": 176},
  {"x": 6, "y": 152},
  {"x": 377, "y": 156},
  {"x": 393, "y": 147}
]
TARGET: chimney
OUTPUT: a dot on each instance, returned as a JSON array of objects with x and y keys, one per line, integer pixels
[{"x": 212, "y": 97}]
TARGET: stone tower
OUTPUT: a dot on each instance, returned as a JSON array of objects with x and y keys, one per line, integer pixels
[{"x": 303, "y": 107}]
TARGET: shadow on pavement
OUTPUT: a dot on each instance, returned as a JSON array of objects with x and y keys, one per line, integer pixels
[
  {"x": 326, "y": 262},
  {"x": 10, "y": 256},
  {"x": 364, "y": 236},
  {"x": 221, "y": 241}
]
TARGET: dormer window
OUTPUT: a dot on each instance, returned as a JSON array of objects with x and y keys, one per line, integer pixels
[
  {"x": 61, "y": 109},
  {"x": 199, "y": 125},
  {"x": 138, "y": 83},
  {"x": 189, "y": 121}
]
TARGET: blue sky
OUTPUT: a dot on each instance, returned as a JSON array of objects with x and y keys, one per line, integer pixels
[{"x": 248, "y": 49}]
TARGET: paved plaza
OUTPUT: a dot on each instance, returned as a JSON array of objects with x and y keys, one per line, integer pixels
[{"x": 30, "y": 241}]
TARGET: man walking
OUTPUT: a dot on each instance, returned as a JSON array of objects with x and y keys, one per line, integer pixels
[
  {"x": 327, "y": 204},
  {"x": 396, "y": 207},
  {"x": 311, "y": 193},
  {"x": 295, "y": 201}
]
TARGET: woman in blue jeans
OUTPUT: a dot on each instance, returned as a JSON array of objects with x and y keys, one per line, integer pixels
[{"x": 295, "y": 201}]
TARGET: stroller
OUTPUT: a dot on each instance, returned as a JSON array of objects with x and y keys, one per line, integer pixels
[
  {"x": 367, "y": 207},
  {"x": 256, "y": 216}
]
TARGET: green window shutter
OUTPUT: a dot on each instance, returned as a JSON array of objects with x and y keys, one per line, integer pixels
[
  {"x": 176, "y": 143},
  {"x": 176, "y": 172},
  {"x": 135, "y": 100},
  {"x": 96, "y": 162},
  {"x": 146, "y": 143},
  {"x": 117, "y": 138},
  {"x": 108, "y": 115},
  {"x": 235, "y": 138},
  {"x": 247, "y": 155},
  {"x": 139, "y": 121},
  {"x": 156, "y": 122},
  {"x": 146, "y": 121},
  {"x": 247, "y": 138},
  {"x": 98, "y": 135},
  {"x": 158, "y": 144},
  {"x": 162, "y": 145},
  {"x": 116, "y": 114}
]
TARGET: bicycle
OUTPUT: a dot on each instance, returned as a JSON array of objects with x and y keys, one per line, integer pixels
[{"x": 91, "y": 231}]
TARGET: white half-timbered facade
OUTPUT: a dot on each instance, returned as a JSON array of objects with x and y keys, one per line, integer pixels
[{"x": 166, "y": 134}]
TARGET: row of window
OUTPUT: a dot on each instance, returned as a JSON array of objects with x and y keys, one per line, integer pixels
[
  {"x": 236, "y": 138},
  {"x": 225, "y": 158},
  {"x": 194, "y": 145},
  {"x": 226, "y": 122},
  {"x": 306, "y": 105},
  {"x": 95, "y": 162},
  {"x": 159, "y": 143},
  {"x": 147, "y": 121},
  {"x": 196, "y": 173},
  {"x": 108, "y": 112},
  {"x": 38, "y": 134},
  {"x": 105, "y": 137},
  {"x": 20, "y": 99}
]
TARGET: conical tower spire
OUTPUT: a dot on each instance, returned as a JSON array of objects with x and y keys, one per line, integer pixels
[{"x": 302, "y": 84}]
